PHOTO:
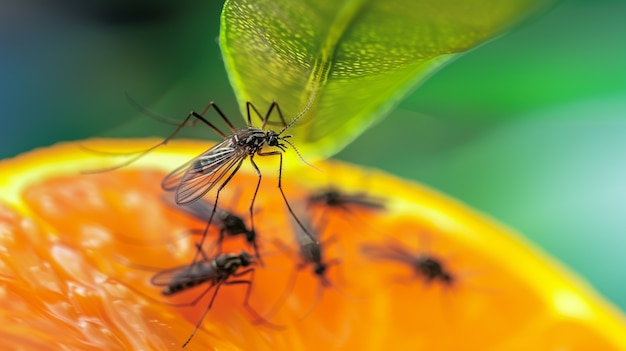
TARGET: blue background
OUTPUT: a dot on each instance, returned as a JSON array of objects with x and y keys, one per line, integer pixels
[{"x": 529, "y": 128}]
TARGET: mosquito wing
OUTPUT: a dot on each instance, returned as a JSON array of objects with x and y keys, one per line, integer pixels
[
  {"x": 171, "y": 181},
  {"x": 389, "y": 252},
  {"x": 187, "y": 275},
  {"x": 195, "y": 178},
  {"x": 200, "y": 209}
]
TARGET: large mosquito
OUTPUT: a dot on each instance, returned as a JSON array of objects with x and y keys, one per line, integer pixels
[{"x": 217, "y": 166}]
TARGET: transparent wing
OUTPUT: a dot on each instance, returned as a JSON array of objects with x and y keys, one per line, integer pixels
[
  {"x": 194, "y": 179},
  {"x": 172, "y": 275},
  {"x": 365, "y": 200},
  {"x": 184, "y": 275},
  {"x": 172, "y": 180},
  {"x": 194, "y": 185},
  {"x": 391, "y": 251},
  {"x": 200, "y": 209}
]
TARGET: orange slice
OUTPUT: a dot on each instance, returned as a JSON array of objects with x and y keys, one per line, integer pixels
[{"x": 74, "y": 252}]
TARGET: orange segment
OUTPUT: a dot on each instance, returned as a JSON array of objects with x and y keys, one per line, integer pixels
[{"x": 74, "y": 249}]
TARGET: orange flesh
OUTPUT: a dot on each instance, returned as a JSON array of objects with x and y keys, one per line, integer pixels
[{"x": 72, "y": 246}]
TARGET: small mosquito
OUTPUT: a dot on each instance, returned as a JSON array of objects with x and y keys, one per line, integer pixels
[
  {"x": 426, "y": 267},
  {"x": 310, "y": 256},
  {"x": 216, "y": 272},
  {"x": 333, "y": 198},
  {"x": 229, "y": 224}
]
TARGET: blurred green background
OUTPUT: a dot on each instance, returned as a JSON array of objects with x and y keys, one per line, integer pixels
[{"x": 529, "y": 128}]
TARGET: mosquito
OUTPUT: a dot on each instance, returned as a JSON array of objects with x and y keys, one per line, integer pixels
[
  {"x": 229, "y": 224},
  {"x": 217, "y": 166},
  {"x": 428, "y": 268},
  {"x": 310, "y": 256},
  {"x": 217, "y": 272},
  {"x": 334, "y": 198}
]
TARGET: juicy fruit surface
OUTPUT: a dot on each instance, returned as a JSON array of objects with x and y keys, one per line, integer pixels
[{"x": 78, "y": 251}]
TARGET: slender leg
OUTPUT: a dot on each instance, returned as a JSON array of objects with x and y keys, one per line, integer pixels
[
  {"x": 265, "y": 120},
  {"x": 280, "y": 187},
  {"x": 280, "y": 114},
  {"x": 230, "y": 125},
  {"x": 165, "y": 141},
  {"x": 195, "y": 329},
  {"x": 256, "y": 190},
  {"x": 246, "y": 299},
  {"x": 249, "y": 106}
]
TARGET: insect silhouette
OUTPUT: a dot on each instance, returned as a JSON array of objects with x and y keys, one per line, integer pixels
[
  {"x": 217, "y": 166},
  {"x": 426, "y": 267},
  {"x": 229, "y": 224},
  {"x": 217, "y": 272},
  {"x": 333, "y": 198}
]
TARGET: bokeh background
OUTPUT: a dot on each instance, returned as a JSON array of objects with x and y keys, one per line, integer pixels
[{"x": 529, "y": 128}]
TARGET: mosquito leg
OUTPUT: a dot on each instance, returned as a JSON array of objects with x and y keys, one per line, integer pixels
[
  {"x": 204, "y": 256},
  {"x": 195, "y": 329},
  {"x": 256, "y": 190},
  {"x": 230, "y": 125},
  {"x": 269, "y": 113},
  {"x": 255, "y": 247},
  {"x": 280, "y": 113},
  {"x": 166, "y": 140},
  {"x": 280, "y": 187},
  {"x": 246, "y": 299},
  {"x": 249, "y": 106}
]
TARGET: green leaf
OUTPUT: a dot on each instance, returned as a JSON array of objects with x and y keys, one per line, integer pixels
[{"x": 357, "y": 58}]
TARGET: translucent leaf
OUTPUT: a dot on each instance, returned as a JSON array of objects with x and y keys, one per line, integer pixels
[{"x": 358, "y": 58}]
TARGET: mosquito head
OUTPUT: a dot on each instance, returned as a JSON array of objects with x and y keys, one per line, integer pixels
[
  {"x": 319, "y": 269},
  {"x": 272, "y": 138},
  {"x": 246, "y": 259}
]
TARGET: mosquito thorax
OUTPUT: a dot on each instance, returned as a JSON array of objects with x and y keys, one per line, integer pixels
[{"x": 431, "y": 269}]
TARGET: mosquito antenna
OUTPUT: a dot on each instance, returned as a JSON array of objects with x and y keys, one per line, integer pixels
[
  {"x": 306, "y": 109},
  {"x": 300, "y": 156}
]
